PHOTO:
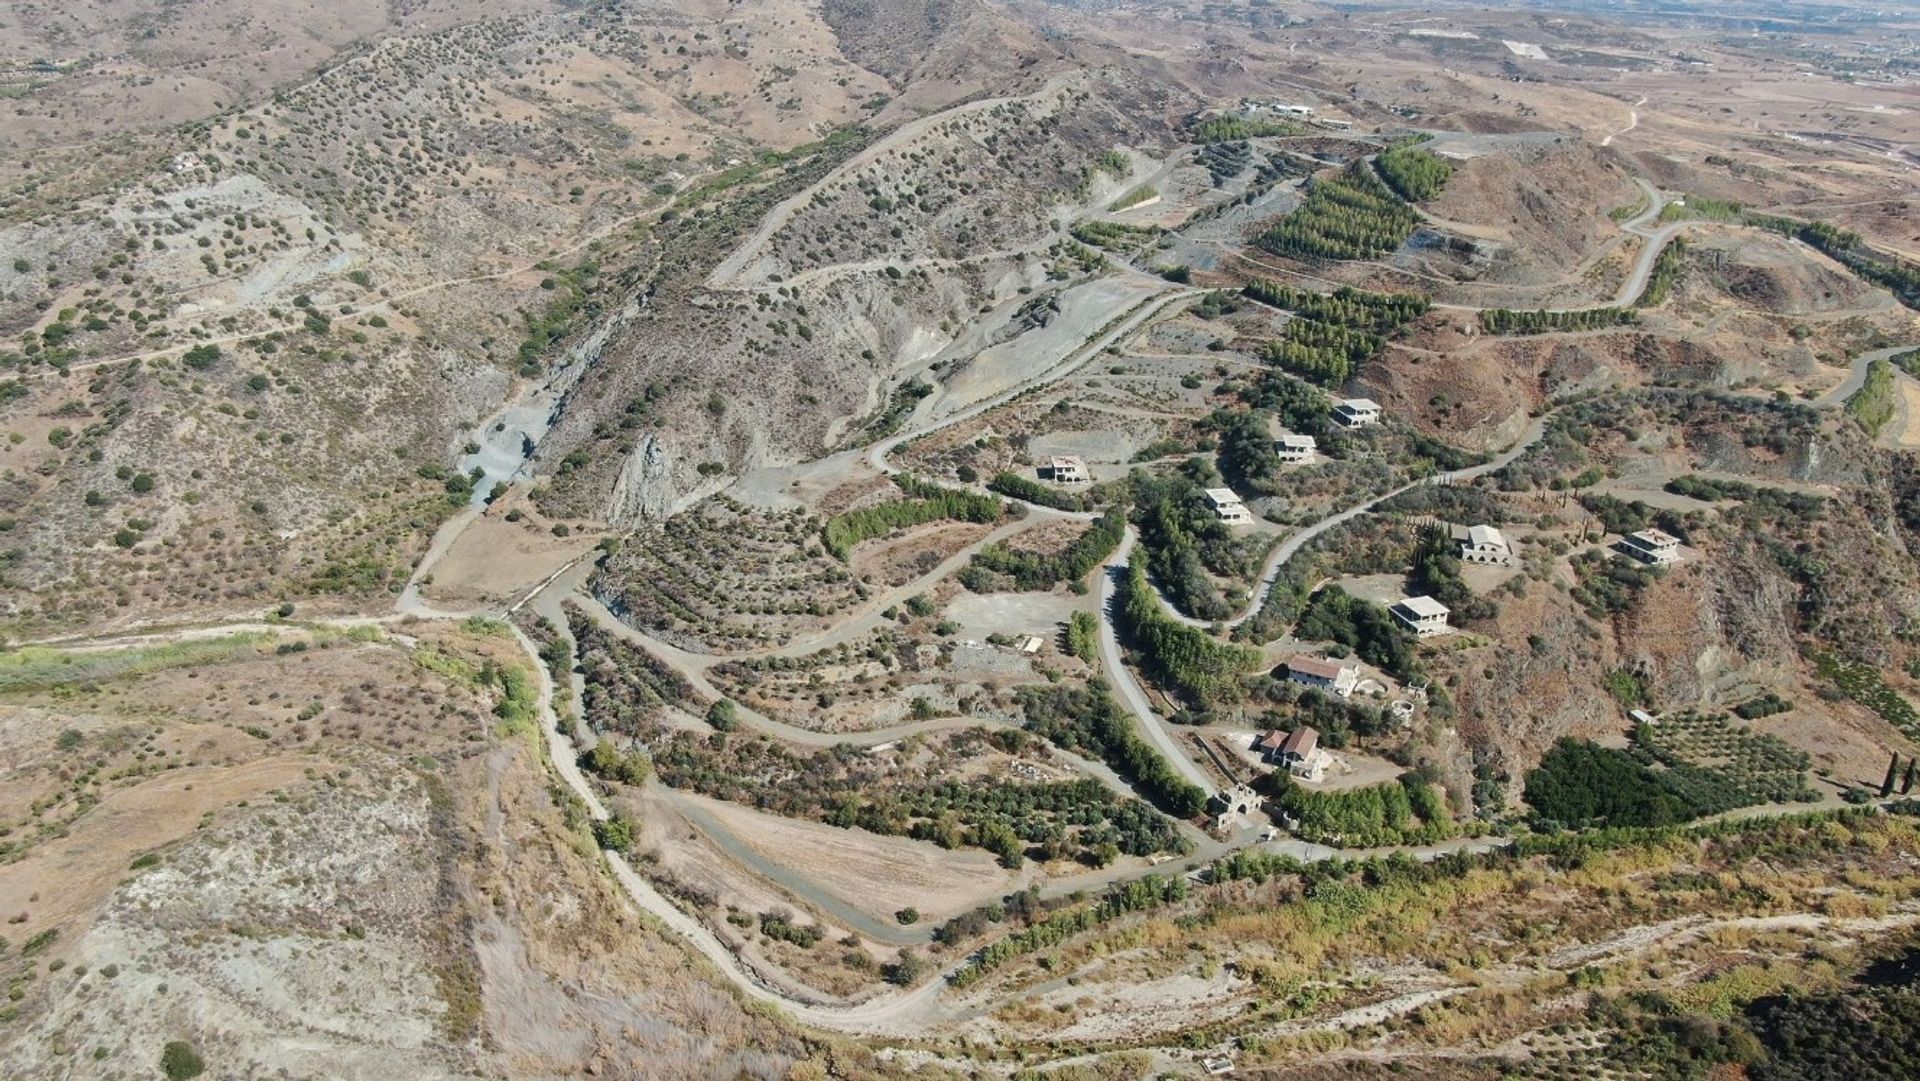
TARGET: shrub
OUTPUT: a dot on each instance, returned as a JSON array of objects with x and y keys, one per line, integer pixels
[
  {"x": 179, "y": 1061},
  {"x": 615, "y": 834}
]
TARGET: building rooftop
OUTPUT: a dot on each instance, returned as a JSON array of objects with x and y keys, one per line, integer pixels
[
  {"x": 1222, "y": 496},
  {"x": 1424, "y": 607},
  {"x": 1073, "y": 461},
  {"x": 1360, "y": 405},
  {"x": 1655, "y": 538},
  {"x": 1304, "y": 442},
  {"x": 1301, "y": 741},
  {"x": 1485, "y": 534},
  {"x": 1318, "y": 667}
]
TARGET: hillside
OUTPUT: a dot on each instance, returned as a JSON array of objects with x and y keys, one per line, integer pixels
[{"x": 951, "y": 539}]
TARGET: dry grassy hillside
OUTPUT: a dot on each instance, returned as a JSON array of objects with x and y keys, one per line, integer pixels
[
  {"x": 850, "y": 285},
  {"x": 939, "y": 51},
  {"x": 1543, "y": 206},
  {"x": 362, "y": 872}
]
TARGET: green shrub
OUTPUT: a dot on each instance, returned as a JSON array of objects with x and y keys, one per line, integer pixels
[{"x": 179, "y": 1061}]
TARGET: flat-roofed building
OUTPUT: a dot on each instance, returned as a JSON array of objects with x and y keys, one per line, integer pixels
[
  {"x": 1227, "y": 507},
  {"x": 1295, "y": 448},
  {"x": 1068, "y": 469},
  {"x": 1424, "y": 616},
  {"x": 1357, "y": 412},
  {"x": 1653, "y": 547}
]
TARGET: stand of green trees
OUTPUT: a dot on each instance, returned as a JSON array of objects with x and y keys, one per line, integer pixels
[
  {"x": 1414, "y": 174},
  {"x": 1407, "y": 811},
  {"x": 1510, "y": 321},
  {"x": 1247, "y": 457},
  {"x": 1436, "y": 573},
  {"x": 1192, "y": 663},
  {"x": 1034, "y": 571},
  {"x": 1874, "y": 404},
  {"x": 1381, "y": 313},
  {"x": 1115, "y": 236},
  {"x": 1350, "y": 215},
  {"x": 1332, "y": 334},
  {"x": 1184, "y": 540},
  {"x": 1090, "y": 722},
  {"x": 926, "y": 503},
  {"x": 1301, "y": 406},
  {"x": 1028, "y": 490},
  {"x": 1220, "y": 129},
  {"x": 1582, "y": 785},
  {"x": 1666, "y": 271},
  {"x": 1334, "y": 615}
]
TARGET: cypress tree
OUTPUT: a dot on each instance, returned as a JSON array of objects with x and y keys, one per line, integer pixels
[{"x": 1893, "y": 772}]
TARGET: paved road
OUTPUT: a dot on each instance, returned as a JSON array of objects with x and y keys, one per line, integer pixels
[
  {"x": 910, "y": 1012},
  {"x": 1153, "y": 725},
  {"x": 1656, "y": 240},
  {"x": 891, "y": 1013},
  {"x": 1857, "y": 376},
  {"x": 877, "y": 454},
  {"x": 1292, "y": 545}
]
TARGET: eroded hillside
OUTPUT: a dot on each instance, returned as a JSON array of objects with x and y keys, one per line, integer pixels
[{"x": 957, "y": 539}]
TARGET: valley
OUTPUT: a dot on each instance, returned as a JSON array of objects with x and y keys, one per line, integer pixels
[{"x": 952, "y": 539}]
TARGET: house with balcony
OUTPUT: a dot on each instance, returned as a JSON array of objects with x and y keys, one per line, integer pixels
[
  {"x": 1357, "y": 412},
  {"x": 1424, "y": 616},
  {"x": 1227, "y": 507},
  {"x": 1322, "y": 674},
  {"x": 1295, "y": 448},
  {"x": 1068, "y": 469},
  {"x": 1484, "y": 544},
  {"x": 1653, "y": 547}
]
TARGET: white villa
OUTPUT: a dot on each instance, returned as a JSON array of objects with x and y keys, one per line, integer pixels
[
  {"x": 1227, "y": 506},
  {"x": 1357, "y": 412},
  {"x": 1484, "y": 544},
  {"x": 1068, "y": 469},
  {"x": 1424, "y": 616},
  {"x": 1652, "y": 547},
  {"x": 1323, "y": 674},
  {"x": 1295, "y": 448}
]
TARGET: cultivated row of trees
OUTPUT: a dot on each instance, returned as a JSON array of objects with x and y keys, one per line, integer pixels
[
  {"x": 1192, "y": 663},
  {"x": 1510, "y": 321},
  {"x": 1035, "y": 570},
  {"x": 1414, "y": 174},
  {"x": 926, "y": 503},
  {"x": 1351, "y": 215}
]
